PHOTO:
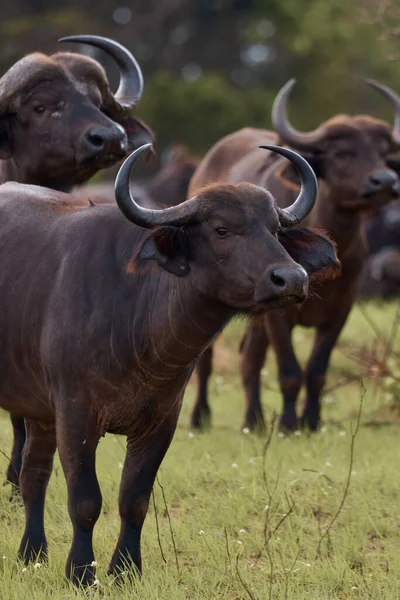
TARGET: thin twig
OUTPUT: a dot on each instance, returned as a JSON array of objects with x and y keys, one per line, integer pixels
[
  {"x": 347, "y": 485},
  {"x": 242, "y": 581},
  {"x": 288, "y": 573},
  {"x": 157, "y": 526},
  {"x": 228, "y": 554},
  {"x": 266, "y": 446},
  {"x": 170, "y": 526}
]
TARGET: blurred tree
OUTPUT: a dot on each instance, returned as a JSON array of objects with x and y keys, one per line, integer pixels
[{"x": 212, "y": 66}]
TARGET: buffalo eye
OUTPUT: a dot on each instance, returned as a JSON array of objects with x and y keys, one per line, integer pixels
[
  {"x": 221, "y": 231},
  {"x": 345, "y": 155},
  {"x": 39, "y": 109}
]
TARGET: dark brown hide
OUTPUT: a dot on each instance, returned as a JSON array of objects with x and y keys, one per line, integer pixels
[
  {"x": 59, "y": 125},
  {"x": 101, "y": 324},
  {"x": 350, "y": 159}
]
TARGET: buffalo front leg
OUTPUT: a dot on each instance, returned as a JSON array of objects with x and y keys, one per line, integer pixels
[
  {"x": 143, "y": 458},
  {"x": 317, "y": 366},
  {"x": 253, "y": 348},
  {"x": 37, "y": 464},
  {"x": 77, "y": 440},
  {"x": 14, "y": 468},
  {"x": 201, "y": 414},
  {"x": 290, "y": 373}
]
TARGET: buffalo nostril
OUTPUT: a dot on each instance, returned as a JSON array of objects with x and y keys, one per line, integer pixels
[
  {"x": 96, "y": 140},
  {"x": 277, "y": 279}
]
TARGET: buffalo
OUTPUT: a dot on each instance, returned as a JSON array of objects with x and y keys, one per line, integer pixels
[
  {"x": 381, "y": 274},
  {"x": 349, "y": 156},
  {"x": 60, "y": 124},
  {"x": 104, "y": 311}
]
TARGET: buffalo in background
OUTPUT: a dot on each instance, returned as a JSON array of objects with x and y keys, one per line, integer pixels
[{"x": 349, "y": 156}]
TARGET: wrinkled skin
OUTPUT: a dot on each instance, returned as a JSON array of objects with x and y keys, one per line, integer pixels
[
  {"x": 58, "y": 123},
  {"x": 149, "y": 302},
  {"x": 351, "y": 164}
]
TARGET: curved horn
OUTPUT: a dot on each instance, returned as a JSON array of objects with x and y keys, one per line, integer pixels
[
  {"x": 131, "y": 78},
  {"x": 280, "y": 122},
  {"x": 175, "y": 215},
  {"x": 394, "y": 100},
  {"x": 302, "y": 206}
]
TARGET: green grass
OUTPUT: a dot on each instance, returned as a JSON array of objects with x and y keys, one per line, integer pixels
[{"x": 217, "y": 499}]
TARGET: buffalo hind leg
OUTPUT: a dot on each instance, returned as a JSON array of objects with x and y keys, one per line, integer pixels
[
  {"x": 37, "y": 464},
  {"x": 143, "y": 458},
  {"x": 290, "y": 373},
  {"x": 201, "y": 414},
  {"x": 77, "y": 439},
  {"x": 14, "y": 468},
  {"x": 316, "y": 369},
  {"x": 253, "y": 348}
]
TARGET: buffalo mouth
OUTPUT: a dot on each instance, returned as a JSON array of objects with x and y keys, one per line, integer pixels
[
  {"x": 102, "y": 160},
  {"x": 281, "y": 302}
]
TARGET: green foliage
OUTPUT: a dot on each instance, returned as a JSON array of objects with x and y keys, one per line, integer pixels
[{"x": 201, "y": 112}]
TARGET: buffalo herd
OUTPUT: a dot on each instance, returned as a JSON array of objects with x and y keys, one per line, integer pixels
[{"x": 111, "y": 296}]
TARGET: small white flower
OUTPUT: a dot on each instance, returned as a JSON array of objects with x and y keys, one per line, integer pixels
[
  {"x": 266, "y": 507},
  {"x": 323, "y": 430},
  {"x": 251, "y": 565},
  {"x": 281, "y": 434},
  {"x": 96, "y": 582},
  {"x": 242, "y": 531},
  {"x": 190, "y": 435},
  {"x": 354, "y": 472},
  {"x": 4, "y": 557},
  {"x": 93, "y": 563},
  {"x": 328, "y": 464},
  {"x": 242, "y": 488},
  {"x": 297, "y": 432},
  {"x": 354, "y": 587},
  {"x": 37, "y": 566},
  {"x": 201, "y": 532},
  {"x": 234, "y": 466},
  {"x": 24, "y": 570},
  {"x": 238, "y": 541},
  {"x": 246, "y": 430},
  {"x": 342, "y": 433},
  {"x": 120, "y": 465}
]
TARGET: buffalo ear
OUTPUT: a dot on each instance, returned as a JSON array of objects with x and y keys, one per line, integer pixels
[
  {"x": 314, "y": 251},
  {"x": 166, "y": 246},
  {"x": 137, "y": 132},
  {"x": 6, "y": 150}
]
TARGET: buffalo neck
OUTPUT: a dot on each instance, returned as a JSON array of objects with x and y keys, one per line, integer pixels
[
  {"x": 10, "y": 170},
  {"x": 181, "y": 323},
  {"x": 341, "y": 223}
]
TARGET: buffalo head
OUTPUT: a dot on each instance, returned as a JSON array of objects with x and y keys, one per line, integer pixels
[
  {"x": 228, "y": 241},
  {"x": 59, "y": 121},
  {"x": 349, "y": 154}
]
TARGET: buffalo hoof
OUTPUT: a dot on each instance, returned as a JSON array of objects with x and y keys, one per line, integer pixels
[
  {"x": 201, "y": 418},
  {"x": 255, "y": 423},
  {"x": 84, "y": 575},
  {"x": 32, "y": 550},
  {"x": 310, "y": 420},
  {"x": 288, "y": 423}
]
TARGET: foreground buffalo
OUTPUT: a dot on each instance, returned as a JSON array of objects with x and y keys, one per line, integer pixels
[
  {"x": 349, "y": 156},
  {"x": 102, "y": 318},
  {"x": 60, "y": 124}
]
